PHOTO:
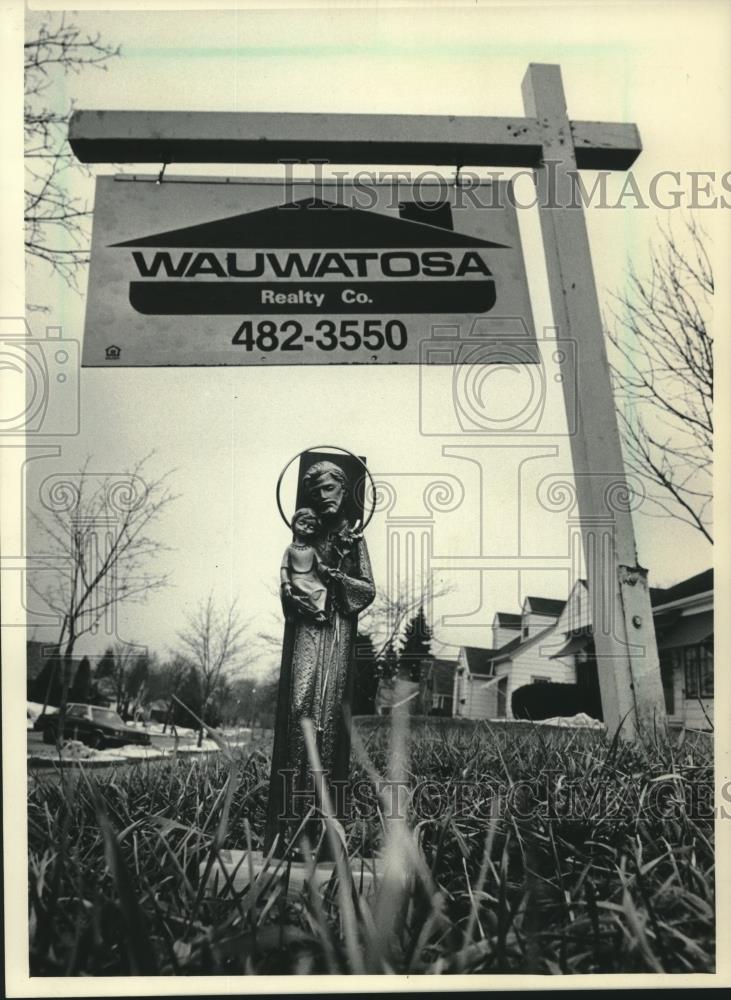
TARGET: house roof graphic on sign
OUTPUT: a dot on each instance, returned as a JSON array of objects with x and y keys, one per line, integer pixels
[{"x": 311, "y": 223}]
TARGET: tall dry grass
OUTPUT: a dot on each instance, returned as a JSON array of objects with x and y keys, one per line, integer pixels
[{"x": 503, "y": 857}]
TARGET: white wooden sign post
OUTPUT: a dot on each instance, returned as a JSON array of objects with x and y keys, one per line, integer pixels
[
  {"x": 555, "y": 148},
  {"x": 619, "y": 597}
]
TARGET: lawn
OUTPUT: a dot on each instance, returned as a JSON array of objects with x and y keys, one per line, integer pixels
[{"x": 513, "y": 849}]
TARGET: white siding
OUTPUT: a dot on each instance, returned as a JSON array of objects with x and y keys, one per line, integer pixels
[
  {"x": 534, "y": 622},
  {"x": 535, "y": 660},
  {"x": 575, "y": 614},
  {"x": 460, "y": 684},
  {"x": 503, "y": 635},
  {"x": 468, "y": 687},
  {"x": 693, "y": 713},
  {"x": 526, "y": 663},
  {"x": 481, "y": 700}
]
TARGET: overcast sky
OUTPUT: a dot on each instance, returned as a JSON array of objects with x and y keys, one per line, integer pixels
[{"x": 228, "y": 432}]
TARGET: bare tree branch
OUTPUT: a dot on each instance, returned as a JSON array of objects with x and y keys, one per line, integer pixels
[
  {"x": 662, "y": 369},
  {"x": 385, "y": 619},
  {"x": 92, "y": 550},
  {"x": 56, "y": 221},
  {"x": 213, "y": 641}
]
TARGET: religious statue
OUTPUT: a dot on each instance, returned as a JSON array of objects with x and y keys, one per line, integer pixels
[{"x": 326, "y": 581}]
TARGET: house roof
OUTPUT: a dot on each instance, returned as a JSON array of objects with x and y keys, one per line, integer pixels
[
  {"x": 688, "y": 630},
  {"x": 479, "y": 659},
  {"x": 575, "y": 642},
  {"x": 546, "y": 605},
  {"x": 505, "y": 652},
  {"x": 694, "y": 585},
  {"x": 505, "y": 618}
]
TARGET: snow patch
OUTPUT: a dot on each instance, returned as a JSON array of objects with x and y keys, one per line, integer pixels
[
  {"x": 579, "y": 721},
  {"x": 34, "y": 709},
  {"x": 156, "y": 729}
]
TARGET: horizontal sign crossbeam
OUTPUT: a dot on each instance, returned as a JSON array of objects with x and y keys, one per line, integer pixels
[{"x": 255, "y": 137}]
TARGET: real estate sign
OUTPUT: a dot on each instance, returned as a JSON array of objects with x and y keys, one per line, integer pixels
[{"x": 239, "y": 272}]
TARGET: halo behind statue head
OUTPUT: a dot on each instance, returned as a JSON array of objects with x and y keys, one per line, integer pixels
[{"x": 318, "y": 468}]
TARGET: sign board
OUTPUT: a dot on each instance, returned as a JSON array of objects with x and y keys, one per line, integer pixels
[{"x": 240, "y": 272}]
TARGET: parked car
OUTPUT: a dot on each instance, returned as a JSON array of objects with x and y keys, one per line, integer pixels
[{"x": 90, "y": 724}]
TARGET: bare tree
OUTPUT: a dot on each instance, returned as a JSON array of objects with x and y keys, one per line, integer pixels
[
  {"x": 56, "y": 229},
  {"x": 213, "y": 640},
  {"x": 386, "y": 618},
  {"x": 165, "y": 682},
  {"x": 663, "y": 375},
  {"x": 94, "y": 550}
]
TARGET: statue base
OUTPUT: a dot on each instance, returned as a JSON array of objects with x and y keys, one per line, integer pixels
[{"x": 236, "y": 872}]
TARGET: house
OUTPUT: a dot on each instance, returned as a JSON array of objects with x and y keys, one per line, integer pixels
[
  {"x": 553, "y": 641},
  {"x": 437, "y": 687},
  {"x": 397, "y": 693},
  {"x": 470, "y": 697},
  {"x": 504, "y": 628},
  {"x": 683, "y": 617},
  {"x": 539, "y": 613},
  {"x": 431, "y": 695},
  {"x": 489, "y": 676}
]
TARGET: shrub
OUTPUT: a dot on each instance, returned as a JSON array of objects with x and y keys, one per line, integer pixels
[{"x": 546, "y": 699}]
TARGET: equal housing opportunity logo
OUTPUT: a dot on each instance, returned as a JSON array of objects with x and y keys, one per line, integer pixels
[{"x": 314, "y": 256}]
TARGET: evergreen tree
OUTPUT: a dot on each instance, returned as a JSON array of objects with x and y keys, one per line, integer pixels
[
  {"x": 81, "y": 687},
  {"x": 47, "y": 685},
  {"x": 388, "y": 663},
  {"x": 366, "y": 676},
  {"x": 415, "y": 646},
  {"x": 106, "y": 666},
  {"x": 107, "y": 678}
]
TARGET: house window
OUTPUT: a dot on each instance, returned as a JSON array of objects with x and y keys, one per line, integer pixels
[
  {"x": 526, "y": 630},
  {"x": 698, "y": 663},
  {"x": 542, "y": 679}
]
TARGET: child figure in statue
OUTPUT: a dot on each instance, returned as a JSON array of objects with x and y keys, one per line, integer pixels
[{"x": 302, "y": 572}]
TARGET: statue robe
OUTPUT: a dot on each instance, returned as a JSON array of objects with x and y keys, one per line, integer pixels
[{"x": 316, "y": 682}]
